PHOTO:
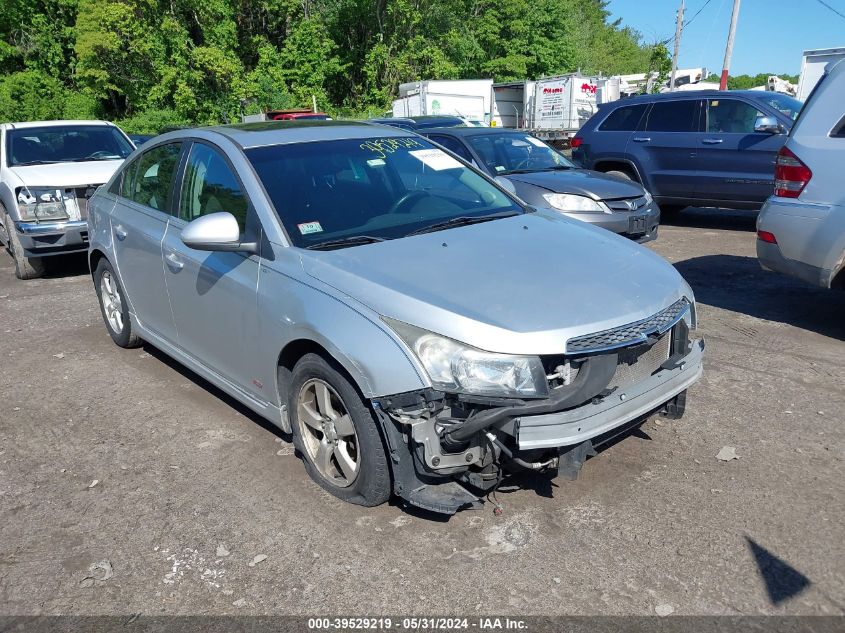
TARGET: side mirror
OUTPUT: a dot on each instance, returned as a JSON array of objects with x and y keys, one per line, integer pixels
[
  {"x": 767, "y": 125},
  {"x": 216, "y": 232}
]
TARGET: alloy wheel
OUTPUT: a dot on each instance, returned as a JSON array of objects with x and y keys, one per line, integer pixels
[
  {"x": 112, "y": 302},
  {"x": 328, "y": 433}
]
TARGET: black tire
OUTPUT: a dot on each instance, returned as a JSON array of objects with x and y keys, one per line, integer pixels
[
  {"x": 371, "y": 484},
  {"x": 124, "y": 337},
  {"x": 25, "y": 267},
  {"x": 620, "y": 174}
]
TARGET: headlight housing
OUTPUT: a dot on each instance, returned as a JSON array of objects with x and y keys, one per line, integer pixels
[
  {"x": 41, "y": 204},
  {"x": 572, "y": 203},
  {"x": 459, "y": 368}
]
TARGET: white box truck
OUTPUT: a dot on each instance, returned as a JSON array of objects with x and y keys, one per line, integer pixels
[
  {"x": 469, "y": 99},
  {"x": 812, "y": 68},
  {"x": 553, "y": 108}
]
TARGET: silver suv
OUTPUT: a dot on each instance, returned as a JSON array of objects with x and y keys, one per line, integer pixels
[
  {"x": 48, "y": 171},
  {"x": 801, "y": 229},
  {"x": 413, "y": 325}
]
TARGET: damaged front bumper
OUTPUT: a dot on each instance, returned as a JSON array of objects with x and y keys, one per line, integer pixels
[
  {"x": 596, "y": 418},
  {"x": 444, "y": 460},
  {"x": 40, "y": 239}
]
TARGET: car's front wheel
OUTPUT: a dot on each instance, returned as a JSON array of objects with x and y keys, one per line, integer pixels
[
  {"x": 336, "y": 434},
  {"x": 113, "y": 306},
  {"x": 25, "y": 267}
]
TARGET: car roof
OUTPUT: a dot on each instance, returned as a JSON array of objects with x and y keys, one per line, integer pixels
[
  {"x": 689, "y": 94},
  {"x": 471, "y": 131},
  {"x": 31, "y": 124},
  {"x": 264, "y": 133}
]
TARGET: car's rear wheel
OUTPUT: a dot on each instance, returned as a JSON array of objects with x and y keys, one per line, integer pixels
[
  {"x": 336, "y": 435},
  {"x": 113, "y": 306},
  {"x": 25, "y": 267}
]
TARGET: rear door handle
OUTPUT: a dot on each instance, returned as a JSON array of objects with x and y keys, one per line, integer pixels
[
  {"x": 120, "y": 233},
  {"x": 712, "y": 141},
  {"x": 642, "y": 139},
  {"x": 174, "y": 262}
]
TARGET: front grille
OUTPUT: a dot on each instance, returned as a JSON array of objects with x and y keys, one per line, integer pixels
[
  {"x": 638, "y": 363},
  {"x": 630, "y": 334},
  {"x": 627, "y": 204}
]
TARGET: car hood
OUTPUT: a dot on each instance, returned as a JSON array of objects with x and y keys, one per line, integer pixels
[
  {"x": 92, "y": 172},
  {"x": 520, "y": 285},
  {"x": 583, "y": 182}
]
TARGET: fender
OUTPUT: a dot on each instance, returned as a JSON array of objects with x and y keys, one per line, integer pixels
[{"x": 356, "y": 338}]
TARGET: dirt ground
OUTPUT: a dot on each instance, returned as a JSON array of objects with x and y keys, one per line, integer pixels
[{"x": 124, "y": 457}]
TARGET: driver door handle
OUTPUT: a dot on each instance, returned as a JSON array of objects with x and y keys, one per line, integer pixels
[
  {"x": 174, "y": 263},
  {"x": 120, "y": 233},
  {"x": 642, "y": 139},
  {"x": 712, "y": 141}
]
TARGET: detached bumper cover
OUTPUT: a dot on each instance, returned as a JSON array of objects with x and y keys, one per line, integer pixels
[
  {"x": 40, "y": 239},
  {"x": 577, "y": 425}
]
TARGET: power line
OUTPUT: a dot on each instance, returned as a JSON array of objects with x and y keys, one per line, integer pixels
[
  {"x": 825, "y": 4},
  {"x": 687, "y": 22},
  {"x": 695, "y": 15}
]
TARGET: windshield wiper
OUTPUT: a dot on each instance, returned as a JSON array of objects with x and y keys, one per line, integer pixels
[
  {"x": 352, "y": 240},
  {"x": 515, "y": 171},
  {"x": 28, "y": 163},
  {"x": 557, "y": 168},
  {"x": 463, "y": 220},
  {"x": 89, "y": 159}
]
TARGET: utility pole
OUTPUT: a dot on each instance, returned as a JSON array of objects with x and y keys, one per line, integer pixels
[
  {"x": 679, "y": 26},
  {"x": 729, "y": 49}
]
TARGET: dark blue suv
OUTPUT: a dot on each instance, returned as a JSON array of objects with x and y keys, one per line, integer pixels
[{"x": 702, "y": 148}]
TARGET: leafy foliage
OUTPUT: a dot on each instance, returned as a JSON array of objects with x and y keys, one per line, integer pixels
[{"x": 159, "y": 63}]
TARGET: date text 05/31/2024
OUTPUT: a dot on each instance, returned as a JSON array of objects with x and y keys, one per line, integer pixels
[{"x": 417, "y": 623}]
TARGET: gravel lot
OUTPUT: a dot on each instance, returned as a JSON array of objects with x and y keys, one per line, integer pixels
[{"x": 122, "y": 456}]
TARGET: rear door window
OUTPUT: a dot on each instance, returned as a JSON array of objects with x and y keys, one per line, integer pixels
[
  {"x": 624, "y": 119},
  {"x": 153, "y": 181},
  {"x": 673, "y": 116},
  {"x": 453, "y": 145},
  {"x": 731, "y": 116}
]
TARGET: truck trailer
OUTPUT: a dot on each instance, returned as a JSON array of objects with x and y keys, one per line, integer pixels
[
  {"x": 812, "y": 68},
  {"x": 469, "y": 99},
  {"x": 553, "y": 108}
]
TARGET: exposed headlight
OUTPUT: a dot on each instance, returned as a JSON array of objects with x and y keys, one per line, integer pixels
[
  {"x": 575, "y": 204},
  {"x": 41, "y": 204},
  {"x": 456, "y": 367}
]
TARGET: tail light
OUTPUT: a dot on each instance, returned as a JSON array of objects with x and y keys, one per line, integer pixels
[
  {"x": 791, "y": 175},
  {"x": 575, "y": 142},
  {"x": 766, "y": 236}
]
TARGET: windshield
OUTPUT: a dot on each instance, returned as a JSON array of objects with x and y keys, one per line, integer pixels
[
  {"x": 375, "y": 189},
  {"x": 65, "y": 144},
  {"x": 790, "y": 106},
  {"x": 516, "y": 152}
]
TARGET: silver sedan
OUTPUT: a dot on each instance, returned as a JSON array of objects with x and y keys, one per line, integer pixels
[{"x": 414, "y": 326}]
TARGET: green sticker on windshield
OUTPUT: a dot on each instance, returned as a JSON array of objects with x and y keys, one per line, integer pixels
[{"x": 309, "y": 227}]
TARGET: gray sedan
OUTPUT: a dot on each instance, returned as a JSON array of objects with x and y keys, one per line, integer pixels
[
  {"x": 543, "y": 177},
  {"x": 400, "y": 314}
]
